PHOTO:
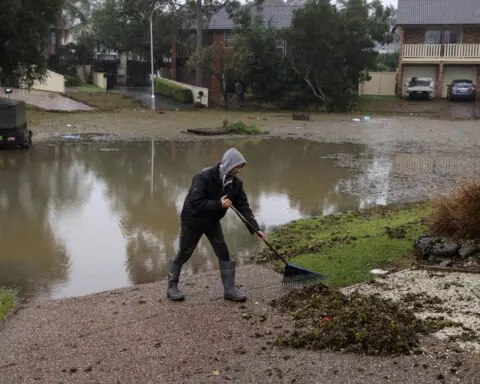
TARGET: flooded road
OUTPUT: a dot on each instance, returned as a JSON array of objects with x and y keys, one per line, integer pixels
[{"x": 77, "y": 219}]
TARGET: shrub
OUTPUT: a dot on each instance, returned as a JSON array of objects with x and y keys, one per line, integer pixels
[
  {"x": 72, "y": 80},
  {"x": 175, "y": 91},
  {"x": 241, "y": 127},
  {"x": 457, "y": 215}
]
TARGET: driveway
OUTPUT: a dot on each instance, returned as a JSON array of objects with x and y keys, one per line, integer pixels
[{"x": 49, "y": 101}]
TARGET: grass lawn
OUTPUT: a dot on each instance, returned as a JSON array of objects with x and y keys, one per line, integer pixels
[
  {"x": 347, "y": 246},
  {"x": 8, "y": 298},
  {"x": 105, "y": 101}
]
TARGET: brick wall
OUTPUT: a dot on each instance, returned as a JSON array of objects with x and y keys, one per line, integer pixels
[
  {"x": 471, "y": 35},
  {"x": 439, "y": 80},
  {"x": 414, "y": 35}
]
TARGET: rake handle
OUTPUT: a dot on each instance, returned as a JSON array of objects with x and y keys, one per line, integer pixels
[{"x": 249, "y": 225}]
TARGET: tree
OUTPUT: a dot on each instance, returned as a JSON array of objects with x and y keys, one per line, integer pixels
[
  {"x": 24, "y": 24},
  {"x": 387, "y": 62},
  {"x": 331, "y": 56},
  {"x": 204, "y": 10},
  {"x": 84, "y": 51},
  {"x": 215, "y": 60},
  {"x": 77, "y": 10},
  {"x": 256, "y": 60},
  {"x": 124, "y": 25}
]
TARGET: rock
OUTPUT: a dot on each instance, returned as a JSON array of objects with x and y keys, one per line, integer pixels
[
  {"x": 423, "y": 246},
  {"x": 468, "y": 247},
  {"x": 446, "y": 249},
  {"x": 301, "y": 115},
  {"x": 445, "y": 263}
]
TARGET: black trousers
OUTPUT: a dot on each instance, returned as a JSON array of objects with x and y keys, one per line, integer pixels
[{"x": 189, "y": 240}]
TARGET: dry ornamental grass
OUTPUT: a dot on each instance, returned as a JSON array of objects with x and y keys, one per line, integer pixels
[{"x": 457, "y": 214}]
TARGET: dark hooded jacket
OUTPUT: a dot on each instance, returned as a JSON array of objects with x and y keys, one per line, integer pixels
[{"x": 202, "y": 207}]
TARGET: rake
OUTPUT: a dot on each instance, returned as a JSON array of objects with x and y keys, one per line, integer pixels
[{"x": 293, "y": 275}]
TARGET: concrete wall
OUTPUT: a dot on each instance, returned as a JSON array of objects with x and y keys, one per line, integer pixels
[
  {"x": 381, "y": 84},
  {"x": 52, "y": 83},
  {"x": 195, "y": 90},
  {"x": 99, "y": 80}
]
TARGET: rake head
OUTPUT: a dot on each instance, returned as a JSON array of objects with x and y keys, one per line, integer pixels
[{"x": 297, "y": 277}]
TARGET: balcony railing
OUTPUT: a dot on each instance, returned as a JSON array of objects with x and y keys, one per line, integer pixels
[{"x": 449, "y": 51}]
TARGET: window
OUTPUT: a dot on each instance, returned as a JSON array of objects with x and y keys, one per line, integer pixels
[
  {"x": 448, "y": 36},
  {"x": 433, "y": 37},
  {"x": 228, "y": 39},
  {"x": 452, "y": 37}
]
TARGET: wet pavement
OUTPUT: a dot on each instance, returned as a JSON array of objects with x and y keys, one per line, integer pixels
[{"x": 48, "y": 100}]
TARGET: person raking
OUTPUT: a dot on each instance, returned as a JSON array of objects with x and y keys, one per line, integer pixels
[{"x": 212, "y": 192}]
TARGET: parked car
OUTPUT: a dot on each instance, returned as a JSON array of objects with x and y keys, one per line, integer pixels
[
  {"x": 420, "y": 88},
  {"x": 18, "y": 137},
  {"x": 462, "y": 89},
  {"x": 14, "y": 132}
]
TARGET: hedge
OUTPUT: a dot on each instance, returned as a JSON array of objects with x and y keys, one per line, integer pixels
[{"x": 177, "y": 92}]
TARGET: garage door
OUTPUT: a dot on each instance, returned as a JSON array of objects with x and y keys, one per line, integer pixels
[
  {"x": 454, "y": 72},
  {"x": 418, "y": 71}
]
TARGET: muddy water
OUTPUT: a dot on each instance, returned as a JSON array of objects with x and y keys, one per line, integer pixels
[{"x": 77, "y": 219}]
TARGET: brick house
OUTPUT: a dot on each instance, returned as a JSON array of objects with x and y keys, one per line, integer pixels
[
  {"x": 220, "y": 30},
  {"x": 439, "y": 39}
]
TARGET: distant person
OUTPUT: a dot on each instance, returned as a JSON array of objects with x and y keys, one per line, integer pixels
[
  {"x": 212, "y": 192},
  {"x": 240, "y": 91}
]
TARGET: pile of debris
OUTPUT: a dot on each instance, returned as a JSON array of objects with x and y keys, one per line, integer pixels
[{"x": 366, "y": 324}]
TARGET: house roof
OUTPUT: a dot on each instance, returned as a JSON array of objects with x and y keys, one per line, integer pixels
[
  {"x": 438, "y": 12},
  {"x": 279, "y": 15}
]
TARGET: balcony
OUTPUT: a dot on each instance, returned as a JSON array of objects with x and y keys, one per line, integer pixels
[{"x": 448, "y": 53}]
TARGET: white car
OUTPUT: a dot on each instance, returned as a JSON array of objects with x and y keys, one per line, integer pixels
[{"x": 420, "y": 88}]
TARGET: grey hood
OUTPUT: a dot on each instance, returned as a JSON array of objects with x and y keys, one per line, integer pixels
[{"x": 231, "y": 159}]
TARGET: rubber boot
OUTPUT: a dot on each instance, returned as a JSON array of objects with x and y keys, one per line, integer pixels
[
  {"x": 173, "y": 292},
  {"x": 227, "y": 271}
]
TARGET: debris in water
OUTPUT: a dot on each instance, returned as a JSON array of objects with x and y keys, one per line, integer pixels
[{"x": 73, "y": 137}]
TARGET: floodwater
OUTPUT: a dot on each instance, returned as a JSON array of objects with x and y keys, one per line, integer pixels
[{"x": 77, "y": 219}]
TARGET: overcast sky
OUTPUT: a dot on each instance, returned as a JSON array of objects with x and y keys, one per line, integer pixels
[{"x": 390, "y": 2}]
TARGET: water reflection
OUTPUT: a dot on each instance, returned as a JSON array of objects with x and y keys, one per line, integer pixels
[{"x": 76, "y": 219}]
